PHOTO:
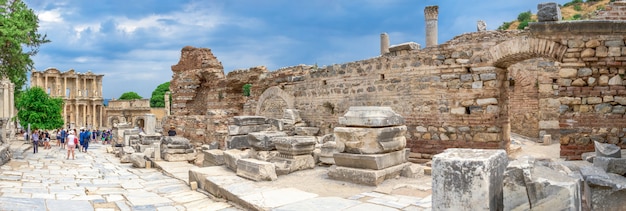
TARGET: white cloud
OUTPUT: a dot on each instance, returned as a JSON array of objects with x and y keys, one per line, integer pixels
[{"x": 52, "y": 16}]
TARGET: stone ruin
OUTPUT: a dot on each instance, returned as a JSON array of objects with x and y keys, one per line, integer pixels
[
  {"x": 138, "y": 147},
  {"x": 5, "y": 150},
  {"x": 369, "y": 150},
  {"x": 373, "y": 144},
  {"x": 476, "y": 179}
]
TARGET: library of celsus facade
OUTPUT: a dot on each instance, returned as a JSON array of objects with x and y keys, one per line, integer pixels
[{"x": 81, "y": 92}]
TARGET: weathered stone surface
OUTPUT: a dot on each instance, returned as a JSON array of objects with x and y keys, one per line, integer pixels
[
  {"x": 245, "y": 129},
  {"x": 292, "y": 116},
  {"x": 249, "y": 120},
  {"x": 481, "y": 26},
  {"x": 606, "y": 189},
  {"x": 263, "y": 155},
  {"x": 256, "y": 170},
  {"x": 237, "y": 142},
  {"x": 611, "y": 165},
  {"x": 413, "y": 171},
  {"x": 149, "y": 139},
  {"x": 371, "y": 140},
  {"x": 607, "y": 150},
  {"x": 286, "y": 165},
  {"x": 138, "y": 160},
  {"x": 455, "y": 189},
  {"x": 531, "y": 185},
  {"x": 487, "y": 101},
  {"x": 176, "y": 140},
  {"x": 567, "y": 72},
  {"x": 307, "y": 131},
  {"x": 199, "y": 175},
  {"x": 213, "y": 157},
  {"x": 371, "y": 161},
  {"x": 365, "y": 176},
  {"x": 231, "y": 157},
  {"x": 264, "y": 141},
  {"x": 548, "y": 12},
  {"x": 616, "y": 81},
  {"x": 179, "y": 157},
  {"x": 5, "y": 153},
  {"x": 295, "y": 145},
  {"x": 328, "y": 149},
  {"x": 371, "y": 116}
]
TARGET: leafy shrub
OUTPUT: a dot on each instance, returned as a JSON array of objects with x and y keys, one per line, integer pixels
[
  {"x": 246, "y": 89},
  {"x": 578, "y": 7},
  {"x": 522, "y": 25},
  {"x": 504, "y": 26},
  {"x": 524, "y": 16},
  {"x": 577, "y": 17}
]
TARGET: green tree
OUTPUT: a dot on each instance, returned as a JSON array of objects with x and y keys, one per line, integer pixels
[
  {"x": 130, "y": 96},
  {"x": 19, "y": 41},
  {"x": 157, "y": 100},
  {"x": 41, "y": 111}
]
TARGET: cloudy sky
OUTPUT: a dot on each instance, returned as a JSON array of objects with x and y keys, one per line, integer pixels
[{"x": 134, "y": 43}]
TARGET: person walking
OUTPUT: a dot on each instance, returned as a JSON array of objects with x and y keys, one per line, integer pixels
[
  {"x": 62, "y": 135},
  {"x": 86, "y": 136},
  {"x": 35, "y": 138},
  {"x": 46, "y": 140},
  {"x": 71, "y": 145},
  {"x": 81, "y": 139}
]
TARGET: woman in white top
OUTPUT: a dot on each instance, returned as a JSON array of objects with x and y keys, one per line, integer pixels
[{"x": 71, "y": 144}]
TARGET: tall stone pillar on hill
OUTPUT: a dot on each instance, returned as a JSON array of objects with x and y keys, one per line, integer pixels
[
  {"x": 431, "y": 13},
  {"x": 384, "y": 43}
]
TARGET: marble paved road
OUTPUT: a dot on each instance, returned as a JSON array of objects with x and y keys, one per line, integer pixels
[{"x": 95, "y": 180}]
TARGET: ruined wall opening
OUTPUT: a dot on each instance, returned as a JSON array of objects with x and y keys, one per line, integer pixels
[{"x": 273, "y": 101}]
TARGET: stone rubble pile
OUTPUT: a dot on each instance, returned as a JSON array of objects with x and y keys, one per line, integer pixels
[
  {"x": 373, "y": 145},
  {"x": 604, "y": 180}
]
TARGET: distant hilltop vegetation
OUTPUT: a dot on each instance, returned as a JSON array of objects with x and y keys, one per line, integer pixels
[{"x": 573, "y": 10}]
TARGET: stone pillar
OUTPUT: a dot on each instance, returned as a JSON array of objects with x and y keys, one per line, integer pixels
[
  {"x": 76, "y": 87},
  {"x": 384, "y": 43},
  {"x": 76, "y": 112},
  {"x": 93, "y": 115},
  {"x": 65, "y": 120},
  {"x": 431, "y": 13},
  {"x": 100, "y": 122},
  {"x": 167, "y": 103},
  {"x": 149, "y": 124},
  {"x": 468, "y": 179},
  {"x": 65, "y": 88}
]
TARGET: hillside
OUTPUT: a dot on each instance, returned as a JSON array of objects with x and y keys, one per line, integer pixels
[{"x": 574, "y": 10}]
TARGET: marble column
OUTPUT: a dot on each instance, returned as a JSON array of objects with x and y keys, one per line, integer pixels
[
  {"x": 431, "y": 13},
  {"x": 384, "y": 43}
]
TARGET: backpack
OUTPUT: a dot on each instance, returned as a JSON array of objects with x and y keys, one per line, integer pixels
[{"x": 75, "y": 141}]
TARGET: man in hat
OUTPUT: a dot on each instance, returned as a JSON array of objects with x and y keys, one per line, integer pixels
[{"x": 172, "y": 131}]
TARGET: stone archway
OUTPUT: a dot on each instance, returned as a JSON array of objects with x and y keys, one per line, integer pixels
[
  {"x": 273, "y": 101},
  {"x": 139, "y": 122},
  {"x": 112, "y": 120},
  {"x": 522, "y": 48},
  {"x": 529, "y": 96}
]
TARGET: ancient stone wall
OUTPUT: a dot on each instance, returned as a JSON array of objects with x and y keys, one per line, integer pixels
[{"x": 457, "y": 94}]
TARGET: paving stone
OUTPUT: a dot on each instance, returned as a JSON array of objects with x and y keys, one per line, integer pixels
[
  {"x": 368, "y": 206},
  {"x": 319, "y": 203},
  {"x": 275, "y": 198},
  {"x": 68, "y": 205},
  {"x": 15, "y": 203}
]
